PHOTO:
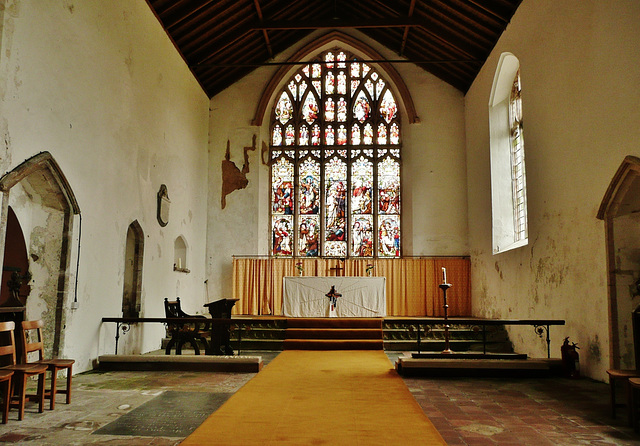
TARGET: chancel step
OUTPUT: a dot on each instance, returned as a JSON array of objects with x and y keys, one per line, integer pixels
[{"x": 333, "y": 334}]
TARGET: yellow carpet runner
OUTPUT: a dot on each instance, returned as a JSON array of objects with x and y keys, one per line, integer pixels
[{"x": 344, "y": 397}]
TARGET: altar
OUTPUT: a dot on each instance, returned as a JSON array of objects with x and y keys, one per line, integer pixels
[{"x": 354, "y": 296}]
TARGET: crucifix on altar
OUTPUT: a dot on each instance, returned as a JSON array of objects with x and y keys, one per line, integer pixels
[{"x": 337, "y": 269}]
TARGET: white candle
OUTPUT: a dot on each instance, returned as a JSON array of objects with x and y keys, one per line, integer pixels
[
  {"x": 180, "y": 263},
  {"x": 444, "y": 275}
]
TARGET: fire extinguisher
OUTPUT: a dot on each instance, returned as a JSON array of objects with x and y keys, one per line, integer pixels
[{"x": 570, "y": 359}]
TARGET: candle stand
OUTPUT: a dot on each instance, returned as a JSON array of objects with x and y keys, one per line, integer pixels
[{"x": 444, "y": 287}]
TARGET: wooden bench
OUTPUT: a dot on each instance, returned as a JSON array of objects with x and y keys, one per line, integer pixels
[{"x": 182, "y": 333}]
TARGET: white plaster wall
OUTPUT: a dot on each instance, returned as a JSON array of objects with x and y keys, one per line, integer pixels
[
  {"x": 99, "y": 85},
  {"x": 434, "y": 195},
  {"x": 581, "y": 104}
]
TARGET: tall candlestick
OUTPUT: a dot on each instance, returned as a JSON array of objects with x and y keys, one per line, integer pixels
[{"x": 444, "y": 275}]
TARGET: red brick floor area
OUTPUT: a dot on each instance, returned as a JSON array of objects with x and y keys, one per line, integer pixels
[{"x": 536, "y": 412}]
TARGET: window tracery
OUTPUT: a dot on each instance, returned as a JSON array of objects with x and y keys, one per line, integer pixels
[{"x": 335, "y": 162}]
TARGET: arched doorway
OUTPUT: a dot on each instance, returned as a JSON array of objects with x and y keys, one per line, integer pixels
[
  {"x": 132, "y": 289},
  {"x": 44, "y": 205},
  {"x": 15, "y": 266},
  {"x": 620, "y": 210}
]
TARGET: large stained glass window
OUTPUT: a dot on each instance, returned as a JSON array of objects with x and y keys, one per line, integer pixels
[{"x": 335, "y": 162}]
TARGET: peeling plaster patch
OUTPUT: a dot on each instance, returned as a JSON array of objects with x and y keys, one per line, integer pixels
[{"x": 498, "y": 270}]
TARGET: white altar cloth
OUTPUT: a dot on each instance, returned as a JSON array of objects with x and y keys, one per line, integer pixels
[{"x": 361, "y": 296}]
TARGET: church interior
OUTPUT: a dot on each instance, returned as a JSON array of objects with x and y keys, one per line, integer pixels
[{"x": 245, "y": 151}]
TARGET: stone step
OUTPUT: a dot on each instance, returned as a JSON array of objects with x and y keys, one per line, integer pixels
[
  {"x": 333, "y": 333},
  {"x": 333, "y": 344}
]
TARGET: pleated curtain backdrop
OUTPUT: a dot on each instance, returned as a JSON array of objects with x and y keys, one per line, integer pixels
[{"x": 412, "y": 283}]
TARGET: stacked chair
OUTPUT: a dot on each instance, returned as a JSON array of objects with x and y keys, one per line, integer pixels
[{"x": 14, "y": 376}]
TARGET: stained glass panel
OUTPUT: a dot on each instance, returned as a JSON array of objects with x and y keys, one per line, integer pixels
[
  {"x": 369, "y": 86},
  {"x": 389, "y": 186},
  {"x": 303, "y": 139},
  {"x": 342, "y": 110},
  {"x": 289, "y": 135},
  {"x": 309, "y": 187},
  {"x": 342, "y": 83},
  {"x": 335, "y": 206},
  {"x": 354, "y": 86},
  {"x": 329, "y": 136},
  {"x": 362, "y": 236},
  {"x": 342, "y": 136},
  {"x": 284, "y": 109},
  {"x": 276, "y": 138},
  {"x": 394, "y": 134},
  {"x": 379, "y": 87},
  {"x": 361, "y": 108},
  {"x": 310, "y": 109},
  {"x": 282, "y": 187},
  {"x": 329, "y": 110},
  {"x": 315, "y": 135},
  {"x": 329, "y": 83},
  {"x": 282, "y": 235},
  {"x": 368, "y": 134},
  {"x": 361, "y": 186},
  {"x": 355, "y": 70},
  {"x": 293, "y": 89},
  {"x": 382, "y": 133},
  {"x": 389, "y": 236},
  {"x": 308, "y": 236},
  {"x": 355, "y": 135},
  {"x": 316, "y": 85},
  {"x": 388, "y": 108},
  {"x": 329, "y": 59}
]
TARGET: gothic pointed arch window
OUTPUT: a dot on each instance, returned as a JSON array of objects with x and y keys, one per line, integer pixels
[{"x": 335, "y": 142}]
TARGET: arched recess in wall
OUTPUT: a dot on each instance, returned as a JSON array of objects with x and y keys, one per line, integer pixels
[
  {"x": 340, "y": 39},
  {"x": 132, "y": 288},
  {"x": 180, "y": 250},
  {"x": 45, "y": 205},
  {"x": 620, "y": 210}
]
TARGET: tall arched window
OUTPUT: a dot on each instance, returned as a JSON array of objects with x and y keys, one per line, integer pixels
[
  {"x": 508, "y": 179},
  {"x": 335, "y": 162}
]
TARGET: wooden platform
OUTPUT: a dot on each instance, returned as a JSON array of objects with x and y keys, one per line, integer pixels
[
  {"x": 409, "y": 366},
  {"x": 243, "y": 364}
]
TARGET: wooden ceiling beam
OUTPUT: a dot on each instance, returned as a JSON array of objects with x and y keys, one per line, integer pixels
[
  {"x": 265, "y": 34},
  {"x": 406, "y": 29},
  {"x": 338, "y": 24}
]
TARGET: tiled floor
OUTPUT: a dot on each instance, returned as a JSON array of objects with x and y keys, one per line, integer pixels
[{"x": 478, "y": 411}]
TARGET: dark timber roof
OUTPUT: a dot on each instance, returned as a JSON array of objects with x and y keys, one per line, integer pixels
[{"x": 223, "y": 40}]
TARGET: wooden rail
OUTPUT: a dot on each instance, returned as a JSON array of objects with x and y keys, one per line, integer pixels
[
  {"x": 124, "y": 323},
  {"x": 541, "y": 326}
]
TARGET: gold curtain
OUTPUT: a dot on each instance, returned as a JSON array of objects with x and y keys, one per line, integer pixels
[{"x": 412, "y": 283}]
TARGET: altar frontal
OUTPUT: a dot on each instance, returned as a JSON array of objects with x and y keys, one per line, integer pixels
[{"x": 334, "y": 296}]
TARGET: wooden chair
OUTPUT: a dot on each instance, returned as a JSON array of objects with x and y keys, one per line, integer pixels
[
  {"x": 183, "y": 333},
  {"x": 21, "y": 372},
  {"x": 32, "y": 341},
  {"x": 5, "y": 380}
]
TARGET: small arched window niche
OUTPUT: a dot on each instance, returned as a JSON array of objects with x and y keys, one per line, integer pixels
[
  {"x": 335, "y": 141},
  {"x": 508, "y": 178},
  {"x": 180, "y": 255}
]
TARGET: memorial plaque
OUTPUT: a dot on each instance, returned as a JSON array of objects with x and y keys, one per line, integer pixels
[{"x": 171, "y": 414}]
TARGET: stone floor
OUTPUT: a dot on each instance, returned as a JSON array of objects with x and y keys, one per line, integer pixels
[{"x": 466, "y": 411}]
